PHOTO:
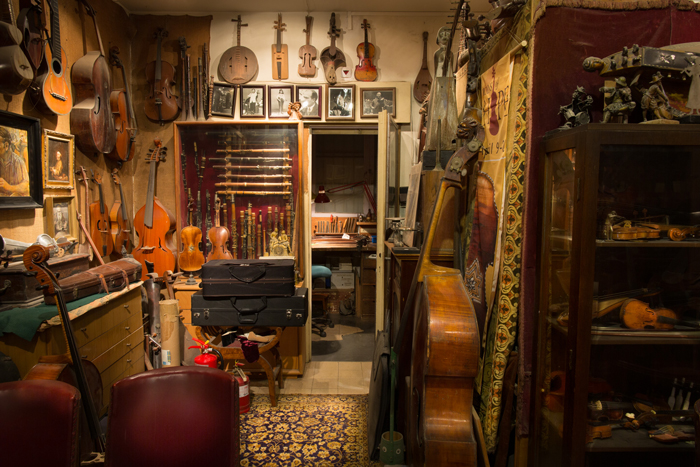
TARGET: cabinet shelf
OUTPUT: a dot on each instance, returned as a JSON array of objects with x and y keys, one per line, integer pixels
[
  {"x": 622, "y": 336},
  {"x": 662, "y": 243},
  {"x": 636, "y": 441}
]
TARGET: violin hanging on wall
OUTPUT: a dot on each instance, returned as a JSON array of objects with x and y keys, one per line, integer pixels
[
  {"x": 100, "y": 230},
  {"x": 365, "y": 70},
  {"x": 120, "y": 220},
  {"x": 161, "y": 105},
  {"x": 191, "y": 257},
  {"x": 307, "y": 53},
  {"x": 125, "y": 118},
  {"x": 280, "y": 66}
]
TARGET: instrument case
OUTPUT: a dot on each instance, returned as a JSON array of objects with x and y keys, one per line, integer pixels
[
  {"x": 251, "y": 311},
  {"x": 225, "y": 278},
  {"x": 107, "y": 278}
]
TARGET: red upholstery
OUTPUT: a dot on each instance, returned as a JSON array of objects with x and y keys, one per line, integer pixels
[
  {"x": 39, "y": 423},
  {"x": 175, "y": 417}
]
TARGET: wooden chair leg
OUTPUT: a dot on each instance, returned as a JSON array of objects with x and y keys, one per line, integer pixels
[{"x": 270, "y": 379}]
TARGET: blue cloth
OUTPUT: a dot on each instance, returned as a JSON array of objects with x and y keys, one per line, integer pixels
[{"x": 320, "y": 271}]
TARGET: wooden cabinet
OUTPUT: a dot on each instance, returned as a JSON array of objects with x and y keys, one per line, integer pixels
[
  {"x": 595, "y": 178},
  {"x": 108, "y": 332},
  {"x": 366, "y": 285}
]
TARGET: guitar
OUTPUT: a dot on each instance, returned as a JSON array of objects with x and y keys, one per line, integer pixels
[
  {"x": 16, "y": 73},
  {"x": 154, "y": 225},
  {"x": 307, "y": 53},
  {"x": 120, "y": 220},
  {"x": 280, "y": 67},
  {"x": 332, "y": 57},
  {"x": 100, "y": 231},
  {"x": 161, "y": 106},
  {"x": 32, "y": 23},
  {"x": 91, "y": 119},
  {"x": 238, "y": 65},
  {"x": 365, "y": 70},
  {"x": 125, "y": 118},
  {"x": 421, "y": 87},
  {"x": 50, "y": 92}
]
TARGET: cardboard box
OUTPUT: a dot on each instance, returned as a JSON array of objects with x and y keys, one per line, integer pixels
[{"x": 343, "y": 280}]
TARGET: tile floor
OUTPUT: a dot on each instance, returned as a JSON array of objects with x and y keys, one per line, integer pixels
[{"x": 323, "y": 378}]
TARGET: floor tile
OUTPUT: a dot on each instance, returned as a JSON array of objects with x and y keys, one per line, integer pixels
[
  {"x": 366, "y": 366},
  {"x": 350, "y": 366},
  {"x": 327, "y": 372},
  {"x": 324, "y": 391},
  {"x": 325, "y": 383},
  {"x": 298, "y": 383},
  {"x": 351, "y": 377},
  {"x": 355, "y": 388},
  {"x": 295, "y": 390}
]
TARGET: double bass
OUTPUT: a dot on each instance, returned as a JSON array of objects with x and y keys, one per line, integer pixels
[
  {"x": 161, "y": 105},
  {"x": 154, "y": 225},
  {"x": 100, "y": 230},
  {"x": 120, "y": 220},
  {"x": 124, "y": 117},
  {"x": 365, "y": 70}
]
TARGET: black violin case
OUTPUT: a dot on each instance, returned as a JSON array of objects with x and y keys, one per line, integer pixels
[{"x": 225, "y": 278}]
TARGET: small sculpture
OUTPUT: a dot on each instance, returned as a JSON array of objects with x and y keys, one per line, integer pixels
[
  {"x": 294, "y": 111},
  {"x": 620, "y": 101},
  {"x": 655, "y": 101},
  {"x": 443, "y": 37},
  {"x": 693, "y": 71},
  {"x": 576, "y": 113}
]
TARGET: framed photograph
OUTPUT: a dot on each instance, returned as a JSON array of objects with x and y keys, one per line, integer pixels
[
  {"x": 223, "y": 99},
  {"x": 252, "y": 102},
  {"x": 374, "y": 100},
  {"x": 58, "y": 160},
  {"x": 340, "y": 102},
  {"x": 311, "y": 98},
  {"x": 279, "y": 98},
  {"x": 59, "y": 217},
  {"x": 20, "y": 162}
]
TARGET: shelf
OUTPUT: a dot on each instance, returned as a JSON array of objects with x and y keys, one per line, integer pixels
[
  {"x": 637, "y": 441},
  {"x": 623, "y": 336},
  {"x": 661, "y": 243}
]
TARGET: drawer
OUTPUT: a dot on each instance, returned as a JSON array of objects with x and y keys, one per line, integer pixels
[
  {"x": 367, "y": 307},
  {"x": 108, "y": 339},
  {"x": 368, "y": 262},
  {"x": 129, "y": 364},
  {"x": 132, "y": 341},
  {"x": 369, "y": 276},
  {"x": 369, "y": 292}
]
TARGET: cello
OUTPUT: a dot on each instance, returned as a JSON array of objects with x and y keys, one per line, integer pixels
[
  {"x": 100, "y": 231},
  {"x": 161, "y": 106},
  {"x": 154, "y": 225},
  {"x": 191, "y": 257},
  {"x": 125, "y": 118},
  {"x": 365, "y": 70},
  {"x": 218, "y": 236},
  {"x": 119, "y": 220}
]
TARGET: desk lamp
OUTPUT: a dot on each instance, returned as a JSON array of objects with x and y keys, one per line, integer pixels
[{"x": 322, "y": 196}]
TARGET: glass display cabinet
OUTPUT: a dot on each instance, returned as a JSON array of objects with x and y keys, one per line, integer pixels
[{"x": 619, "y": 296}]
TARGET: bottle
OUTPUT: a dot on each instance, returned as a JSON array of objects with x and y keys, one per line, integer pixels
[
  {"x": 672, "y": 397},
  {"x": 686, "y": 402},
  {"x": 679, "y": 398}
]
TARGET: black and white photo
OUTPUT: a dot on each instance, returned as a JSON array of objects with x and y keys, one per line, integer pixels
[
  {"x": 223, "y": 99},
  {"x": 279, "y": 98},
  {"x": 310, "y": 98},
  {"x": 341, "y": 102},
  {"x": 252, "y": 101},
  {"x": 374, "y": 100}
]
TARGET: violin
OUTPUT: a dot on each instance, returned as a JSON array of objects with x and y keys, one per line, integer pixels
[
  {"x": 635, "y": 314},
  {"x": 218, "y": 236},
  {"x": 191, "y": 258},
  {"x": 307, "y": 53},
  {"x": 365, "y": 71},
  {"x": 119, "y": 220},
  {"x": 161, "y": 105},
  {"x": 154, "y": 225},
  {"x": 124, "y": 117},
  {"x": 100, "y": 231}
]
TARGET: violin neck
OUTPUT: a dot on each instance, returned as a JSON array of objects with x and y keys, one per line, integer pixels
[
  {"x": 55, "y": 31},
  {"x": 158, "y": 71},
  {"x": 102, "y": 204},
  {"x": 125, "y": 218},
  {"x": 150, "y": 195},
  {"x": 679, "y": 322},
  {"x": 129, "y": 103}
]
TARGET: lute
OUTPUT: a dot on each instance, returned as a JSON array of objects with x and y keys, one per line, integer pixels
[
  {"x": 307, "y": 53},
  {"x": 238, "y": 65},
  {"x": 280, "y": 66},
  {"x": 332, "y": 57},
  {"x": 421, "y": 86}
]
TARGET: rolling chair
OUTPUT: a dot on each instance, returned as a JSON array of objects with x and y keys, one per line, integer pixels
[{"x": 320, "y": 320}]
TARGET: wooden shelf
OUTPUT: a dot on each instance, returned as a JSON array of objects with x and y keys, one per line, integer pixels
[
  {"x": 623, "y": 336},
  {"x": 661, "y": 243},
  {"x": 637, "y": 441}
]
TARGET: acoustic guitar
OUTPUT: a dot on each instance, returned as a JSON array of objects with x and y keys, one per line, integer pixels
[
  {"x": 365, "y": 70},
  {"x": 32, "y": 23},
  {"x": 307, "y": 53},
  {"x": 332, "y": 57},
  {"x": 50, "y": 92},
  {"x": 238, "y": 65},
  {"x": 16, "y": 73},
  {"x": 280, "y": 67},
  {"x": 124, "y": 116}
]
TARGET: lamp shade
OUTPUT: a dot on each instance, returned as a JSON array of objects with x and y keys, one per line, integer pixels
[{"x": 322, "y": 197}]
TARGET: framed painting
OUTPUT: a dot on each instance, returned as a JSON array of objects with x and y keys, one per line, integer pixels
[
  {"x": 59, "y": 217},
  {"x": 340, "y": 102},
  {"x": 20, "y": 162},
  {"x": 311, "y": 99},
  {"x": 374, "y": 100},
  {"x": 58, "y": 160},
  {"x": 279, "y": 98},
  {"x": 252, "y": 102},
  {"x": 223, "y": 99}
]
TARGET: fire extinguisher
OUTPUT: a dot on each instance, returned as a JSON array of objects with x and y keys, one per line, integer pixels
[
  {"x": 206, "y": 358},
  {"x": 243, "y": 388}
]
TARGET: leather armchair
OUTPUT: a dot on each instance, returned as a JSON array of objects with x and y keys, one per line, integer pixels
[
  {"x": 39, "y": 423},
  {"x": 177, "y": 416}
]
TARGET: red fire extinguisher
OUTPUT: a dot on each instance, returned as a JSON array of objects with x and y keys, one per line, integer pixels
[
  {"x": 206, "y": 358},
  {"x": 243, "y": 388}
]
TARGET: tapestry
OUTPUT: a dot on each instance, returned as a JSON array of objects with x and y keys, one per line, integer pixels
[
  {"x": 502, "y": 323},
  {"x": 306, "y": 430}
]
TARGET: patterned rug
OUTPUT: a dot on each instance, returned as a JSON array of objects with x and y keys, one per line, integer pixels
[{"x": 306, "y": 430}]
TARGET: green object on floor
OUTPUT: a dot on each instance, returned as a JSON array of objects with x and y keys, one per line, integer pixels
[{"x": 392, "y": 449}]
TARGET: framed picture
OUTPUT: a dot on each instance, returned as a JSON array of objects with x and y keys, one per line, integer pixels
[
  {"x": 20, "y": 162},
  {"x": 340, "y": 102},
  {"x": 223, "y": 99},
  {"x": 59, "y": 217},
  {"x": 252, "y": 101},
  {"x": 374, "y": 100},
  {"x": 58, "y": 160},
  {"x": 311, "y": 98},
  {"x": 279, "y": 98}
]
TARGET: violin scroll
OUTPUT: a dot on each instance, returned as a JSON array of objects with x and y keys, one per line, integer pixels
[{"x": 34, "y": 258}]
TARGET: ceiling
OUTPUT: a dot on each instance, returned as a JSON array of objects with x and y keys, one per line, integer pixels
[{"x": 359, "y": 6}]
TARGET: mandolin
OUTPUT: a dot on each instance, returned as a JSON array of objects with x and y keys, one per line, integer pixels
[
  {"x": 332, "y": 57},
  {"x": 218, "y": 236},
  {"x": 16, "y": 73},
  {"x": 124, "y": 116},
  {"x": 307, "y": 53},
  {"x": 100, "y": 231},
  {"x": 32, "y": 23},
  {"x": 238, "y": 65},
  {"x": 191, "y": 258},
  {"x": 161, "y": 106},
  {"x": 280, "y": 67},
  {"x": 365, "y": 70},
  {"x": 91, "y": 119},
  {"x": 120, "y": 220},
  {"x": 50, "y": 91},
  {"x": 421, "y": 86},
  {"x": 154, "y": 225}
]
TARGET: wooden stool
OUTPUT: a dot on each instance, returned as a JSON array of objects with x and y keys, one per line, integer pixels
[{"x": 274, "y": 373}]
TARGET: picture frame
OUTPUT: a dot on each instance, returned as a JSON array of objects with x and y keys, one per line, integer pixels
[
  {"x": 371, "y": 106},
  {"x": 223, "y": 100},
  {"x": 59, "y": 217},
  {"x": 20, "y": 141},
  {"x": 252, "y": 103},
  {"x": 58, "y": 160},
  {"x": 311, "y": 99},
  {"x": 279, "y": 98},
  {"x": 340, "y": 102}
]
